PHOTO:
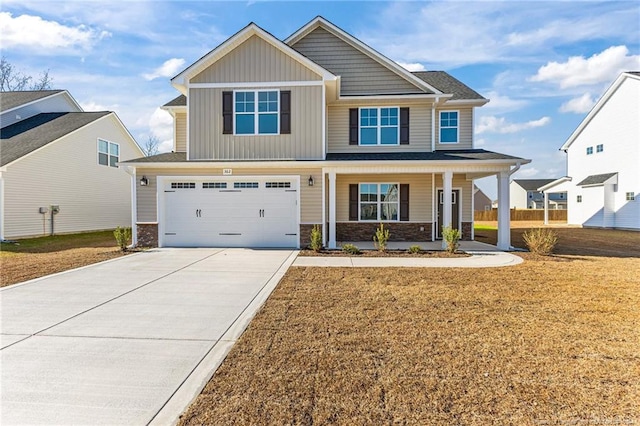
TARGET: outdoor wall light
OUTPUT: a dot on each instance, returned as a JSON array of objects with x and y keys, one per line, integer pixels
[
  {"x": 144, "y": 181},
  {"x": 310, "y": 180}
]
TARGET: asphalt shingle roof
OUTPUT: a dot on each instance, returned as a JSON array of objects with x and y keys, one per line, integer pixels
[
  {"x": 26, "y": 136},
  {"x": 532, "y": 184},
  {"x": 449, "y": 155},
  {"x": 178, "y": 101},
  {"x": 448, "y": 84},
  {"x": 10, "y": 100},
  {"x": 166, "y": 157},
  {"x": 596, "y": 179}
]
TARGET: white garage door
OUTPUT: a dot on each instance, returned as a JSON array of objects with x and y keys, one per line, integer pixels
[{"x": 238, "y": 212}]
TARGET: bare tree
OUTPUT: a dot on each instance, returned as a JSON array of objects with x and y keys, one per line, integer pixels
[
  {"x": 13, "y": 80},
  {"x": 150, "y": 147}
]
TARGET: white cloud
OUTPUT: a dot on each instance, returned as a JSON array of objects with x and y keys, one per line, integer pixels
[
  {"x": 161, "y": 125},
  {"x": 503, "y": 103},
  {"x": 580, "y": 71},
  {"x": 94, "y": 106},
  {"x": 579, "y": 105},
  {"x": 493, "y": 124},
  {"x": 168, "y": 69},
  {"x": 527, "y": 172},
  {"x": 416, "y": 66},
  {"x": 47, "y": 37}
]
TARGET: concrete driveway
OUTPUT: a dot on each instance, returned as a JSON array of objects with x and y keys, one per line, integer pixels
[{"x": 129, "y": 341}]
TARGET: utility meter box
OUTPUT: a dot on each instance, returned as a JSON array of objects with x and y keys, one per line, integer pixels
[
  {"x": 55, "y": 209},
  {"x": 44, "y": 210}
]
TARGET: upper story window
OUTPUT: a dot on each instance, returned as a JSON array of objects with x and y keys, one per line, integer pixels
[
  {"x": 108, "y": 153},
  {"x": 449, "y": 127},
  {"x": 599, "y": 148},
  {"x": 630, "y": 196},
  {"x": 379, "y": 126},
  {"x": 589, "y": 150},
  {"x": 256, "y": 113},
  {"x": 579, "y": 198}
]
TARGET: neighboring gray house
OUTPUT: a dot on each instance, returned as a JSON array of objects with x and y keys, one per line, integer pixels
[
  {"x": 58, "y": 166},
  {"x": 524, "y": 194},
  {"x": 480, "y": 200},
  {"x": 273, "y": 137}
]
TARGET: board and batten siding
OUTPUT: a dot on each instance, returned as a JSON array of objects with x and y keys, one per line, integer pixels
[
  {"x": 206, "y": 141},
  {"x": 419, "y": 129},
  {"x": 360, "y": 74},
  {"x": 66, "y": 173},
  {"x": 255, "y": 60},
  {"x": 180, "y": 129},
  {"x": 465, "y": 129},
  {"x": 310, "y": 196},
  {"x": 460, "y": 181},
  {"x": 420, "y": 195}
]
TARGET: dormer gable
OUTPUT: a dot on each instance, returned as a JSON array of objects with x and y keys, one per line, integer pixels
[
  {"x": 252, "y": 42},
  {"x": 362, "y": 70}
]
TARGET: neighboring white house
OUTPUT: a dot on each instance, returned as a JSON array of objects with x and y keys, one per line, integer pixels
[
  {"x": 58, "y": 171},
  {"x": 524, "y": 194},
  {"x": 603, "y": 161}
]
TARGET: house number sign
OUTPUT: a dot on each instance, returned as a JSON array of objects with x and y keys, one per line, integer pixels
[{"x": 227, "y": 172}]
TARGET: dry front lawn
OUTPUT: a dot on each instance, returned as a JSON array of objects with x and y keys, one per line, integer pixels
[
  {"x": 35, "y": 257},
  {"x": 551, "y": 341}
]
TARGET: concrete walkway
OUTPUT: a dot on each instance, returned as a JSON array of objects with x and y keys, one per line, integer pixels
[
  {"x": 129, "y": 341},
  {"x": 482, "y": 256}
]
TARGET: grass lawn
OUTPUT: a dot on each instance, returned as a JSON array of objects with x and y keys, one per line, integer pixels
[
  {"x": 554, "y": 340},
  {"x": 35, "y": 257}
]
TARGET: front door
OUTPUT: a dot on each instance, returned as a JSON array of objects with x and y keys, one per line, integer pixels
[{"x": 455, "y": 211}]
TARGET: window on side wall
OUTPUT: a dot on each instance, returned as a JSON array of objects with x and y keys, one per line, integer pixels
[
  {"x": 599, "y": 148},
  {"x": 379, "y": 126},
  {"x": 449, "y": 127},
  {"x": 379, "y": 202},
  {"x": 630, "y": 196},
  {"x": 256, "y": 112},
  {"x": 108, "y": 153},
  {"x": 589, "y": 150},
  {"x": 579, "y": 199}
]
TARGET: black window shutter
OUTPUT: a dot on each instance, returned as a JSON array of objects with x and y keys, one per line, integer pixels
[
  {"x": 353, "y": 126},
  {"x": 227, "y": 113},
  {"x": 404, "y": 126},
  {"x": 404, "y": 202},
  {"x": 285, "y": 112},
  {"x": 353, "y": 201}
]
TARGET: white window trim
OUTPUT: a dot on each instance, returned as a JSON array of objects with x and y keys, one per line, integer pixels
[
  {"x": 379, "y": 127},
  {"x": 379, "y": 203},
  {"x": 109, "y": 143},
  {"x": 440, "y": 127},
  {"x": 256, "y": 113}
]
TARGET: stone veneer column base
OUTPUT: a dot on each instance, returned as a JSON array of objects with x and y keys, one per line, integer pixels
[
  {"x": 466, "y": 230},
  {"x": 305, "y": 234},
  {"x": 148, "y": 235},
  {"x": 398, "y": 231}
]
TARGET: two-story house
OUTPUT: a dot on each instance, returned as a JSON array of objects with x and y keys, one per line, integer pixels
[
  {"x": 273, "y": 137},
  {"x": 524, "y": 194},
  {"x": 603, "y": 161},
  {"x": 59, "y": 166}
]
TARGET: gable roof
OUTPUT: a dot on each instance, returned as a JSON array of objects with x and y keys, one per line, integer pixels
[
  {"x": 177, "y": 101},
  {"x": 180, "y": 80},
  {"x": 597, "y": 179},
  {"x": 11, "y": 100},
  {"x": 448, "y": 84},
  {"x": 320, "y": 22},
  {"x": 598, "y": 106},
  {"x": 532, "y": 184},
  {"x": 23, "y": 137}
]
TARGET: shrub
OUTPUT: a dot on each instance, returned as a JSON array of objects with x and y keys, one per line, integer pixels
[
  {"x": 540, "y": 241},
  {"x": 451, "y": 238},
  {"x": 351, "y": 249},
  {"x": 415, "y": 249},
  {"x": 123, "y": 235},
  {"x": 316, "y": 238},
  {"x": 381, "y": 238}
]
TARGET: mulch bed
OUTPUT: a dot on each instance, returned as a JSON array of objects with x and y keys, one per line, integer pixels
[{"x": 377, "y": 253}]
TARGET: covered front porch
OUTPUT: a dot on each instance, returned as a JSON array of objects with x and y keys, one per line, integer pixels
[{"x": 414, "y": 199}]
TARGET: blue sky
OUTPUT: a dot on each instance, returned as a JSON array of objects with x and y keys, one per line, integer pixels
[{"x": 542, "y": 64}]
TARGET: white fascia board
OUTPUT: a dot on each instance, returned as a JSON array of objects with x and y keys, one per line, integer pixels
[
  {"x": 348, "y": 98},
  {"x": 258, "y": 84},
  {"x": 596, "y": 108},
  {"x": 554, "y": 184},
  {"x": 319, "y": 21},
  {"x": 181, "y": 80},
  {"x": 471, "y": 102}
]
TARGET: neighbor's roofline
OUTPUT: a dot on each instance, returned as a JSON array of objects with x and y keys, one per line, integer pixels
[
  {"x": 180, "y": 81},
  {"x": 555, "y": 183},
  {"x": 58, "y": 93},
  {"x": 597, "y": 107},
  {"x": 369, "y": 51}
]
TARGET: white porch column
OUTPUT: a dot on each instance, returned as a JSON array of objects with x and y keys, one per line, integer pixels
[
  {"x": 332, "y": 210},
  {"x": 504, "y": 214},
  {"x": 546, "y": 208},
  {"x": 447, "y": 188}
]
